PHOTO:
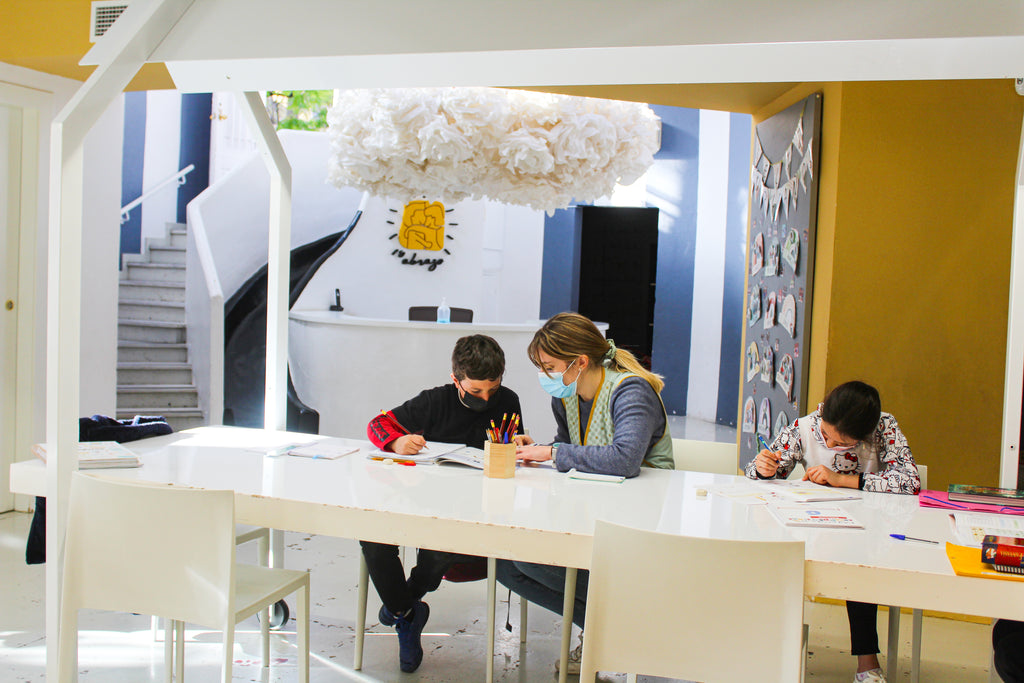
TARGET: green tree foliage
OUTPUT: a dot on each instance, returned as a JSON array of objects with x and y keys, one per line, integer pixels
[{"x": 300, "y": 109}]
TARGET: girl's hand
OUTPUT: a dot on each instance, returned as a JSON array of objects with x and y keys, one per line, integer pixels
[
  {"x": 522, "y": 440},
  {"x": 533, "y": 453},
  {"x": 767, "y": 463},
  {"x": 410, "y": 444},
  {"x": 819, "y": 474}
]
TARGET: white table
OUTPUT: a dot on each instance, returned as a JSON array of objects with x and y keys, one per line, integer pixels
[{"x": 543, "y": 516}]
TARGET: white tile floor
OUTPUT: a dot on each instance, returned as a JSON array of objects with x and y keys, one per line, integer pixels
[
  {"x": 117, "y": 647},
  {"x": 685, "y": 427}
]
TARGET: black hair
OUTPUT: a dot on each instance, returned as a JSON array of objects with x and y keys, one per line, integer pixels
[
  {"x": 853, "y": 408},
  {"x": 478, "y": 357}
]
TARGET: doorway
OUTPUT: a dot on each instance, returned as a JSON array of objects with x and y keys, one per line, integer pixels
[
  {"x": 10, "y": 193},
  {"x": 618, "y": 272}
]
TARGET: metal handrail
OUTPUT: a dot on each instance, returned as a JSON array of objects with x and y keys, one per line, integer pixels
[{"x": 179, "y": 177}]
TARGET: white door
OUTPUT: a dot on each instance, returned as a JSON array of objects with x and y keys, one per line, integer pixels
[
  {"x": 10, "y": 215},
  {"x": 230, "y": 139}
]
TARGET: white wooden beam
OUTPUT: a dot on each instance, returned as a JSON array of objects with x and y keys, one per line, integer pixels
[
  {"x": 855, "y": 60},
  {"x": 278, "y": 257},
  {"x": 1013, "y": 384},
  {"x": 136, "y": 33}
]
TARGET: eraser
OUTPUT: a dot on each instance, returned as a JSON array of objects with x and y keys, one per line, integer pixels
[{"x": 702, "y": 493}]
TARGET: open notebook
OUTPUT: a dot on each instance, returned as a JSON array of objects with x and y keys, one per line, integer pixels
[
  {"x": 97, "y": 455},
  {"x": 439, "y": 453}
]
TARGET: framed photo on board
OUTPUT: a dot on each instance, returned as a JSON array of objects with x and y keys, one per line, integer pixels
[{"x": 780, "y": 249}]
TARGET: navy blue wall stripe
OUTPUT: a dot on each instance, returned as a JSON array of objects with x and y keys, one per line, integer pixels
[
  {"x": 672, "y": 188},
  {"x": 132, "y": 159},
  {"x": 735, "y": 267},
  {"x": 194, "y": 147},
  {"x": 560, "y": 269}
]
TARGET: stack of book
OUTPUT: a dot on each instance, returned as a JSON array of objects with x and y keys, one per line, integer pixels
[
  {"x": 967, "y": 493},
  {"x": 1004, "y": 553},
  {"x": 95, "y": 455}
]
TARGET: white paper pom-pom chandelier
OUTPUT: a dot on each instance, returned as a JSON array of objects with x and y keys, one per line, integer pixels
[{"x": 450, "y": 144}]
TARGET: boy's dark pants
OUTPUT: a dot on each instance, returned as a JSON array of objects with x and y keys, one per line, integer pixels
[{"x": 396, "y": 592}]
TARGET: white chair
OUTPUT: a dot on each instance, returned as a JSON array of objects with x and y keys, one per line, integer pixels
[
  {"x": 917, "y": 621},
  {"x": 242, "y": 535},
  {"x": 170, "y": 552},
  {"x": 705, "y": 456},
  {"x": 664, "y": 605}
]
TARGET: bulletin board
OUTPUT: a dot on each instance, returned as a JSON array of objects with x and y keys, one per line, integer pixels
[{"x": 780, "y": 268}]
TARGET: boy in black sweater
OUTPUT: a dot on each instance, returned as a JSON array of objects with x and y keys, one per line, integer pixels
[{"x": 460, "y": 412}]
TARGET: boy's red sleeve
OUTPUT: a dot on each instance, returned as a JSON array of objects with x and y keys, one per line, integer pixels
[{"x": 382, "y": 430}]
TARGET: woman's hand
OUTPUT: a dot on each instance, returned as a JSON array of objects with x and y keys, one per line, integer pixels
[
  {"x": 522, "y": 440},
  {"x": 533, "y": 453},
  {"x": 767, "y": 463},
  {"x": 819, "y": 474},
  {"x": 410, "y": 444}
]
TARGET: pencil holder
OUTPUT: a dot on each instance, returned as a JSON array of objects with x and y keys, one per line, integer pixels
[{"x": 499, "y": 460}]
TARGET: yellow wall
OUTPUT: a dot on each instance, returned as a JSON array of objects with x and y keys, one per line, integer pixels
[
  {"x": 912, "y": 262},
  {"x": 913, "y": 259},
  {"x": 53, "y": 35}
]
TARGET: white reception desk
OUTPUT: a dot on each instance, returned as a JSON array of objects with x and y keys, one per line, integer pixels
[{"x": 349, "y": 368}]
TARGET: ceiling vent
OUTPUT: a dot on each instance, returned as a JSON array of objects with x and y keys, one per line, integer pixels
[{"x": 104, "y": 14}]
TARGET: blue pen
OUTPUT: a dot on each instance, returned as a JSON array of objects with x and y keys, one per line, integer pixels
[
  {"x": 902, "y": 537},
  {"x": 764, "y": 444}
]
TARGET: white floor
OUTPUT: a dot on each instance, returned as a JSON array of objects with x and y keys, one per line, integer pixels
[
  {"x": 119, "y": 647},
  {"x": 684, "y": 427}
]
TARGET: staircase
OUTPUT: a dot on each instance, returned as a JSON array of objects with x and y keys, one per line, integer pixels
[{"x": 154, "y": 376}]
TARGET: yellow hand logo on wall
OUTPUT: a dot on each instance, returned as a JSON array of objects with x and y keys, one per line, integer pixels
[{"x": 422, "y": 226}]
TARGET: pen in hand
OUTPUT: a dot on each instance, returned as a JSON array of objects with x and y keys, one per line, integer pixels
[{"x": 902, "y": 537}]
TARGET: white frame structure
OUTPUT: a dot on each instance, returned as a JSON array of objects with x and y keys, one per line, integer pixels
[{"x": 218, "y": 45}]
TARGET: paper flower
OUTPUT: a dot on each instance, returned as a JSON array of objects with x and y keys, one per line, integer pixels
[{"x": 450, "y": 144}]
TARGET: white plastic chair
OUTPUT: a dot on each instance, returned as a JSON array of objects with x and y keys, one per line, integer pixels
[
  {"x": 243, "y": 534},
  {"x": 705, "y": 456},
  {"x": 917, "y": 621},
  {"x": 170, "y": 552},
  {"x": 643, "y": 582}
]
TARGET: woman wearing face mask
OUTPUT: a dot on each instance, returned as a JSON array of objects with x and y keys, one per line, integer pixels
[
  {"x": 610, "y": 420},
  {"x": 608, "y": 409},
  {"x": 847, "y": 442}
]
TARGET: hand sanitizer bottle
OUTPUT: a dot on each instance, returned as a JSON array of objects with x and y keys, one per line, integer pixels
[{"x": 444, "y": 314}]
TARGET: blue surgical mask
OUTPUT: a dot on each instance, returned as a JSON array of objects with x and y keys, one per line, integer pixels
[{"x": 553, "y": 383}]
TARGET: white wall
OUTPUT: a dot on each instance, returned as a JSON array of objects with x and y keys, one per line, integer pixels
[
  {"x": 101, "y": 232},
  {"x": 235, "y": 210},
  {"x": 709, "y": 265},
  {"x": 46, "y": 94},
  {"x": 493, "y": 266},
  {"x": 162, "y": 149}
]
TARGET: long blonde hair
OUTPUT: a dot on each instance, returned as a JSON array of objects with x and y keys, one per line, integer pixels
[{"x": 567, "y": 336}]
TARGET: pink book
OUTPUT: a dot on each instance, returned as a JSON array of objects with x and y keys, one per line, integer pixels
[{"x": 940, "y": 499}]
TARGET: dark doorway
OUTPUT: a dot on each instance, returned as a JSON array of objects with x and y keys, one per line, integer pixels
[{"x": 618, "y": 269}]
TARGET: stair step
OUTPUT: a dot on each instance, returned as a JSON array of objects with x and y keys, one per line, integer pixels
[
  {"x": 154, "y": 373},
  {"x": 146, "y": 290},
  {"x": 140, "y": 309},
  {"x": 158, "y": 396},
  {"x": 178, "y": 238},
  {"x": 179, "y": 418},
  {"x": 151, "y": 352},
  {"x": 167, "y": 254},
  {"x": 150, "y": 331},
  {"x": 162, "y": 272}
]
